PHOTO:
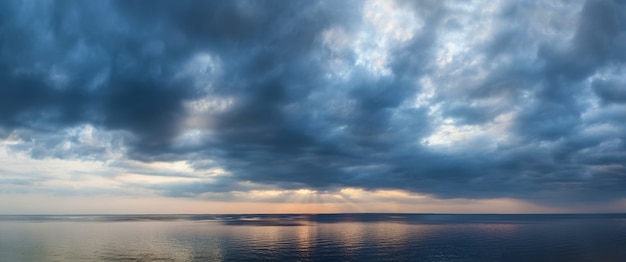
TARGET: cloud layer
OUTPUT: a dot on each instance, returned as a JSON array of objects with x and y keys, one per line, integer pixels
[{"x": 453, "y": 99}]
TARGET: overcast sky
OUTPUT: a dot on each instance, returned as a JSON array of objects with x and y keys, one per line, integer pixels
[{"x": 312, "y": 106}]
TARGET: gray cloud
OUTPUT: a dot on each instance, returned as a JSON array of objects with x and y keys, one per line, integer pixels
[{"x": 522, "y": 100}]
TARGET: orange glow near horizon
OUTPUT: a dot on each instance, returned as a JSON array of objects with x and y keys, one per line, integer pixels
[{"x": 303, "y": 201}]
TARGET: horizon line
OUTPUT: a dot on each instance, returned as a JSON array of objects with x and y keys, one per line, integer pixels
[{"x": 330, "y": 213}]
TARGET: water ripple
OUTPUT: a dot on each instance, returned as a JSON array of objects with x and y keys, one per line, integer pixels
[{"x": 336, "y": 237}]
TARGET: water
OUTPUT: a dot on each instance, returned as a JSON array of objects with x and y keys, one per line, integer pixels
[{"x": 340, "y": 237}]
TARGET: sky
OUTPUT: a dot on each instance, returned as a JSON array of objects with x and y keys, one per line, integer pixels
[{"x": 312, "y": 106}]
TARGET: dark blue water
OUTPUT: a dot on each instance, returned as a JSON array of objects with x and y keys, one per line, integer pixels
[{"x": 336, "y": 237}]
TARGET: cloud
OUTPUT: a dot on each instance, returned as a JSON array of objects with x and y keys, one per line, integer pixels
[{"x": 451, "y": 99}]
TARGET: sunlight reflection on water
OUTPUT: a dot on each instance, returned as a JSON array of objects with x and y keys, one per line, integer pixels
[{"x": 312, "y": 238}]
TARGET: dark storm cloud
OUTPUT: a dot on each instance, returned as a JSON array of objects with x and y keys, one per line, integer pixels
[
  {"x": 610, "y": 91},
  {"x": 324, "y": 95},
  {"x": 595, "y": 45}
]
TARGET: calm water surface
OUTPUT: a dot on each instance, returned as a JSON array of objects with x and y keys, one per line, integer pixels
[{"x": 339, "y": 237}]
